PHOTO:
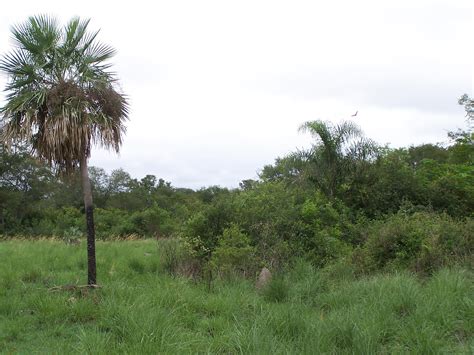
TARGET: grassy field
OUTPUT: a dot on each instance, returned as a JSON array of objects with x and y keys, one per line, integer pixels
[{"x": 141, "y": 309}]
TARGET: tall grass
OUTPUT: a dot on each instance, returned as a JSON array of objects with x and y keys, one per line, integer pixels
[{"x": 142, "y": 309}]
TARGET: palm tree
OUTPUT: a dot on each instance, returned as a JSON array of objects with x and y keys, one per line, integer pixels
[
  {"x": 335, "y": 154},
  {"x": 62, "y": 99}
]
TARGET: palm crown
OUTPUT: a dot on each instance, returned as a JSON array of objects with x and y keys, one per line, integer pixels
[
  {"x": 337, "y": 151},
  {"x": 61, "y": 96}
]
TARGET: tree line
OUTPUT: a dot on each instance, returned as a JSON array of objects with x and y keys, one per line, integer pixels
[
  {"x": 337, "y": 197},
  {"x": 323, "y": 203}
]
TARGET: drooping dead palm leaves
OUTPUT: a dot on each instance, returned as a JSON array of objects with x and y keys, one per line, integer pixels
[{"x": 61, "y": 97}]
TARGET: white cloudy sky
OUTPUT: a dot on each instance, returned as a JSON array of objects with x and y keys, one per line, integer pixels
[{"x": 219, "y": 88}]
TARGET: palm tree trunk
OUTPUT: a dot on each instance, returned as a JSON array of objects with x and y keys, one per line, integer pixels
[{"x": 89, "y": 209}]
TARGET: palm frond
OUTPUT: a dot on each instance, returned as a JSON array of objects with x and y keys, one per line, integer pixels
[
  {"x": 337, "y": 150},
  {"x": 74, "y": 33},
  {"x": 38, "y": 35},
  {"x": 346, "y": 131},
  {"x": 61, "y": 96}
]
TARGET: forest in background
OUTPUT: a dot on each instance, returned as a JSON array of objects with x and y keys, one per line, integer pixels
[{"x": 344, "y": 198}]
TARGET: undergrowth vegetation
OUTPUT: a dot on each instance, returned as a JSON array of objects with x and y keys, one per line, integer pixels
[
  {"x": 371, "y": 251},
  {"x": 142, "y": 308}
]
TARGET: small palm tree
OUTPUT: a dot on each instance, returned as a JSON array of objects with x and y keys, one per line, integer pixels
[
  {"x": 62, "y": 99},
  {"x": 334, "y": 155}
]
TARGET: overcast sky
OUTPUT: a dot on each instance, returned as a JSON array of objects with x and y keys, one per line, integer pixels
[{"x": 219, "y": 88}]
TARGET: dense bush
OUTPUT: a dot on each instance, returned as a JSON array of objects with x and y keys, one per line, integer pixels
[
  {"x": 330, "y": 231},
  {"x": 390, "y": 208},
  {"x": 421, "y": 241},
  {"x": 234, "y": 254},
  {"x": 450, "y": 186}
]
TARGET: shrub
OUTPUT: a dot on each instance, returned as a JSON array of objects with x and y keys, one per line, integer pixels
[
  {"x": 112, "y": 223},
  {"x": 271, "y": 249},
  {"x": 178, "y": 258},
  {"x": 170, "y": 252},
  {"x": 233, "y": 253},
  {"x": 153, "y": 221},
  {"x": 329, "y": 233},
  {"x": 72, "y": 235},
  {"x": 421, "y": 241},
  {"x": 209, "y": 223}
]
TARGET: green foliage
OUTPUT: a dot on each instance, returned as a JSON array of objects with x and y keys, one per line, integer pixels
[
  {"x": 330, "y": 230},
  {"x": 180, "y": 257},
  {"x": 421, "y": 241},
  {"x": 340, "y": 151},
  {"x": 233, "y": 252},
  {"x": 468, "y": 104},
  {"x": 409, "y": 175},
  {"x": 171, "y": 251},
  {"x": 208, "y": 223},
  {"x": 153, "y": 221},
  {"x": 288, "y": 168},
  {"x": 462, "y": 151},
  {"x": 112, "y": 223},
  {"x": 269, "y": 215},
  {"x": 281, "y": 217},
  {"x": 386, "y": 185},
  {"x": 177, "y": 257},
  {"x": 72, "y": 235},
  {"x": 450, "y": 186}
]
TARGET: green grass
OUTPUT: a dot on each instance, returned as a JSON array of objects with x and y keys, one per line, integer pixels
[{"x": 140, "y": 309}]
